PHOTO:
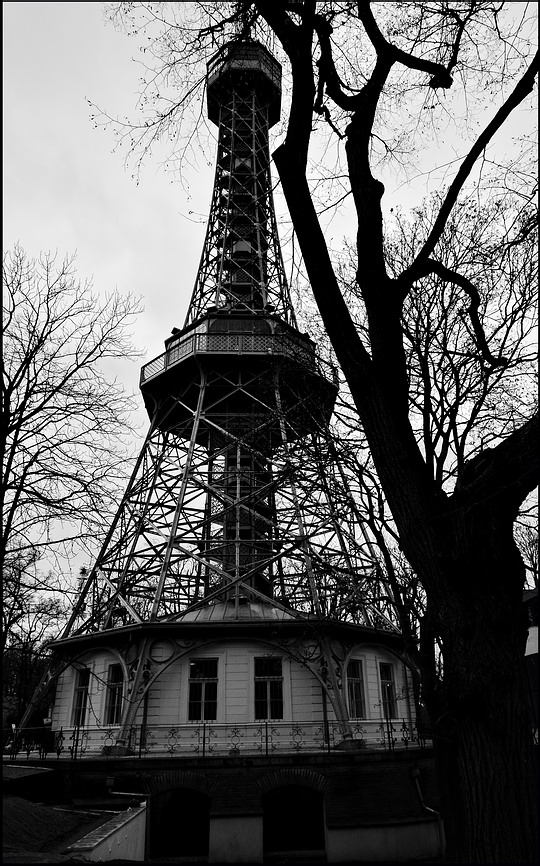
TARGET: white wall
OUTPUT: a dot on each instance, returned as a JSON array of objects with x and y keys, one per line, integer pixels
[
  {"x": 168, "y": 702},
  {"x": 168, "y": 696}
]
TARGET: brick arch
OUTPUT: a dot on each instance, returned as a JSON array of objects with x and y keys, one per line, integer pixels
[
  {"x": 180, "y": 779},
  {"x": 307, "y": 778}
]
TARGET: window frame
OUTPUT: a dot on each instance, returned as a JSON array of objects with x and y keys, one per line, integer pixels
[
  {"x": 80, "y": 697},
  {"x": 204, "y": 682},
  {"x": 388, "y": 703},
  {"x": 114, "y": 697},
  {"x": 268, "y": 699},
  {"x": 350, "y": 680}
]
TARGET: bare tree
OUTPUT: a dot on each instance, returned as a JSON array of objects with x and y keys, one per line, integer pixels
[
  {"x": 65, "y": 424},
  {"x": 33, "y": 610},
  {"x": 457, "y": 406},
  {"x": 379, "y": 82},
  {"x": 469, "y": 330}
]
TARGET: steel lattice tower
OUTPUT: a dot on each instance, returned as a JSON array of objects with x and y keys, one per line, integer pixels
[
  {"x": 227, "y": 497},
  {"x": 230, "y": 501}
]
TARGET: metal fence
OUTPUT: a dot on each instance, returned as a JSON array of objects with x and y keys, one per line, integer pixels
[
  {"x": 206, "y": 739},
  {"x": 195, "y": 343}
]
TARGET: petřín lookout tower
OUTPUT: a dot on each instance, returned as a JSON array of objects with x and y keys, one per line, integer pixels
[{"x": 230, "y": 612}]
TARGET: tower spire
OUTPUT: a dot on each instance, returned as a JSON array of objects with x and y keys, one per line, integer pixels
[{"x": 241, "y": 266}]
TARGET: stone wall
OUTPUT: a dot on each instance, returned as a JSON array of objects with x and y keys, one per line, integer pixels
[{"x": 121, "y": 838}]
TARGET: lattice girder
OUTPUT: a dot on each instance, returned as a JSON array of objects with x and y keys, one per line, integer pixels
[
  {"x": 229, "y": 494},
  {"x": 230, "y": 498}
]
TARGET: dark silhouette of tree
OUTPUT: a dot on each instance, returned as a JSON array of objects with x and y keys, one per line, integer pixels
[
  {"x": 65, "y": 424},
  {"x": 65, "y": 429},
  {"x": 432, "y": 358},
  {"x": 33, "y": 611}
]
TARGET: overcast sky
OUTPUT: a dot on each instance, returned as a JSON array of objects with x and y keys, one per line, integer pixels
[{"x": 65, "y": 190}]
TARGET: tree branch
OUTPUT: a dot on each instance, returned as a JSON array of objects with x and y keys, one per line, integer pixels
[
  {"x": 334, "y": 311},
  {"x": 329, "y": 78},
  {"x": 520, "y": 92},
  {"x": 297, "y": 42},
  {"x": 504, "y": 474},
  {"x": 441, "y": 76},
  {"x": 464, "y": 283}
]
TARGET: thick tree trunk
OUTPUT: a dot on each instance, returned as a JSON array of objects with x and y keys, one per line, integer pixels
[
  {"x": 460, "y": 546},
  {"x": 482, "y": 715},
  {"x": 488, "y": 795}
]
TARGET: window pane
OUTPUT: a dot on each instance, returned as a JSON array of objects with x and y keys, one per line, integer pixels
[
  {"x": 386, "y": 672},
  {"x": 210, "y": 702},
  {"x": 195, "y": 702},
  {"x": 387, "y": 690},
  {"x": 276, "y": 699},
  {"x": 84, "y": 679},
  {"x": 81, "y": 697},
  {"x": 355, "y": 689},
  {"x": 115, "y": 674},
  {"x": 203, "y": 690},
  {"x": 356, "y": 700},
  {"x": 267, "y": 667},
  {"x": 115, "y": 684},
  {"x": 261, "y": 699},
  {"x": 354, "y": 669},
  {"x": 203, "y": 669},
  {"x": 268, "y": 688}
]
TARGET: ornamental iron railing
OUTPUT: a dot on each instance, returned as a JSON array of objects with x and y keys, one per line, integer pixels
[
  {"x": 262, "y": 344},
  {"x": 206, "y": 739}
]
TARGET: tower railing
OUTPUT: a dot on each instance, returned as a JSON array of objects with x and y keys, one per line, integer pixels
[
  {"x": 286, "y": 345},
  {"x": 245, "y": 56},
  {"x": 207, "y": 739}
]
